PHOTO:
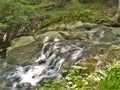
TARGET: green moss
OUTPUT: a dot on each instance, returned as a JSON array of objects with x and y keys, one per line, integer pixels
[{"x": 75, "y": 11}]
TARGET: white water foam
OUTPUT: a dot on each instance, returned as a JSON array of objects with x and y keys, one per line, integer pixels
[{"x": 46, "y": 65}]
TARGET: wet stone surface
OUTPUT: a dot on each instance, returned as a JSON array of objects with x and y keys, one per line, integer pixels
[{"x": 92, "y": 48}]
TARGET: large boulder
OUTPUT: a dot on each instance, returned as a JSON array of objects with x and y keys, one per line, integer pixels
[
  {"x": 26, "y": 47},
  {"x": 22, "y": 49},
  {"x": 50, "y": 36}
]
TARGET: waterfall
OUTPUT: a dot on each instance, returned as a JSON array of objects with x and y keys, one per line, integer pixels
[
  {"x": 56, "y": 54},
  {"x": 45, "y": 65}
]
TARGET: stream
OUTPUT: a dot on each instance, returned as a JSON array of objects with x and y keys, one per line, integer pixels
[{"x": 97, "y": 50}]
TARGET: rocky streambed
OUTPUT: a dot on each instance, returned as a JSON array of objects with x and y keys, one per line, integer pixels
[{"x": 32, "y": 59}]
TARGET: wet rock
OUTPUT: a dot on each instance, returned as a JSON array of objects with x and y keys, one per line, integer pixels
[
  {"x": 22, "y": 49},
  {"x": 72, "y": 59},
  {"x": 65, "y": 34},
  {"x": 102, "y": 33},
  {"x": 89, "y": 25},
  {"x": 108, "y": 35},
  {"x": 116, "y": 31},
  {"x": 80, "y": 36},
  {"x": 62, "y": 27},
  {"x": 50, "y": 36},
  {"x": 55, "y": 54}
]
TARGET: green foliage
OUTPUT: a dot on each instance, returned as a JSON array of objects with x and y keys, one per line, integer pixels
[
  {"x": 75, "y": 11},
  {"x": 17, "y": 17},
  {"x": 112, "y": 81},
  {"x": 78, "y": 79},
  {"x": 26, "y": 13},
  {"x": 15, "y": 13},
  {"x": 2, "y": 25}
]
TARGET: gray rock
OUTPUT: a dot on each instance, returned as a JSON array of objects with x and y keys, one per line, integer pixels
[
  {"x": 62, "y": 27},
  {"x": 22, "y": 49},
  {"x": 70, "y": 27},
  {"x": 73, "y": 25},
  {"x": 79, "y": 24},
  {"x": 65, "y": 34},
  {"x": 89, "y": 25},
  {"x": 114, "y": 47},
  {"x": 79, "y": 35},
  {"x": 49, "y": 36},
  {"x": 116, "y": 31}
]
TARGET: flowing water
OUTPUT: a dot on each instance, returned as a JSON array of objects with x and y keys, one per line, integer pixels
[{"x": 56, "y": 54}]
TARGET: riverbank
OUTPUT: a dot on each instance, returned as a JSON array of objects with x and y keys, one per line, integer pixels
[
  {"x": 92, "y": 13},
  {"x": 78, "y": 41},
  {"x": 97, "y": 13}
]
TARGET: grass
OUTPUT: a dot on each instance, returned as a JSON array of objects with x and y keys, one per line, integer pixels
[
  {"x": 112, "y": 81},
  {"x": 76, "y": 11}
]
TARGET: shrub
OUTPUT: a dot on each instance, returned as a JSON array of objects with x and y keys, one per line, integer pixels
[
  {"x": 78, "y": 79},
  {"x": 16, "y": 15},
  {"x": 112, "y": 81}
]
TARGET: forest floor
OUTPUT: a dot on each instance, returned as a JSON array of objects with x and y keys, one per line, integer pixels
[
  {"x": 97, "y": 13},
  {"x": 94, "y": 13}
]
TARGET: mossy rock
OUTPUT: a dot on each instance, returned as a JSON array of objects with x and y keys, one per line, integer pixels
[
  {"x": 89, "y": 25},
  {"x": 65, "y": 34},
  {"x": 41, "y": 31},
  {"x": 70, "y": 27},
  {"x": 49, "y": 36},
  {"x": 114, "y": 51},
  {"x": 116, "y": 31},
  {"x": 62, "y": 27},
  {"x": 22, "y": 49},
  {"x": 78, "y": 24},
  {"x": 79, "y": 35},
  {"x": 114, "y": 47}
]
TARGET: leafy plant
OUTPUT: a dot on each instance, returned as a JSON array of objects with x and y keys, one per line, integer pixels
[
  {"x": 16, "y": 15},
  {"x": 78, "y": 79},
  {"x": 112, "y": 81}
]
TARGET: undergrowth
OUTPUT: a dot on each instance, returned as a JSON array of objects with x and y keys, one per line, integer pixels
[
  {"x": 77, "y": 11},
  {"x": 78, "y": 79}
]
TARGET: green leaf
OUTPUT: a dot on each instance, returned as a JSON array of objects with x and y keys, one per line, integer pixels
[{"x": 3, "y": 26}]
